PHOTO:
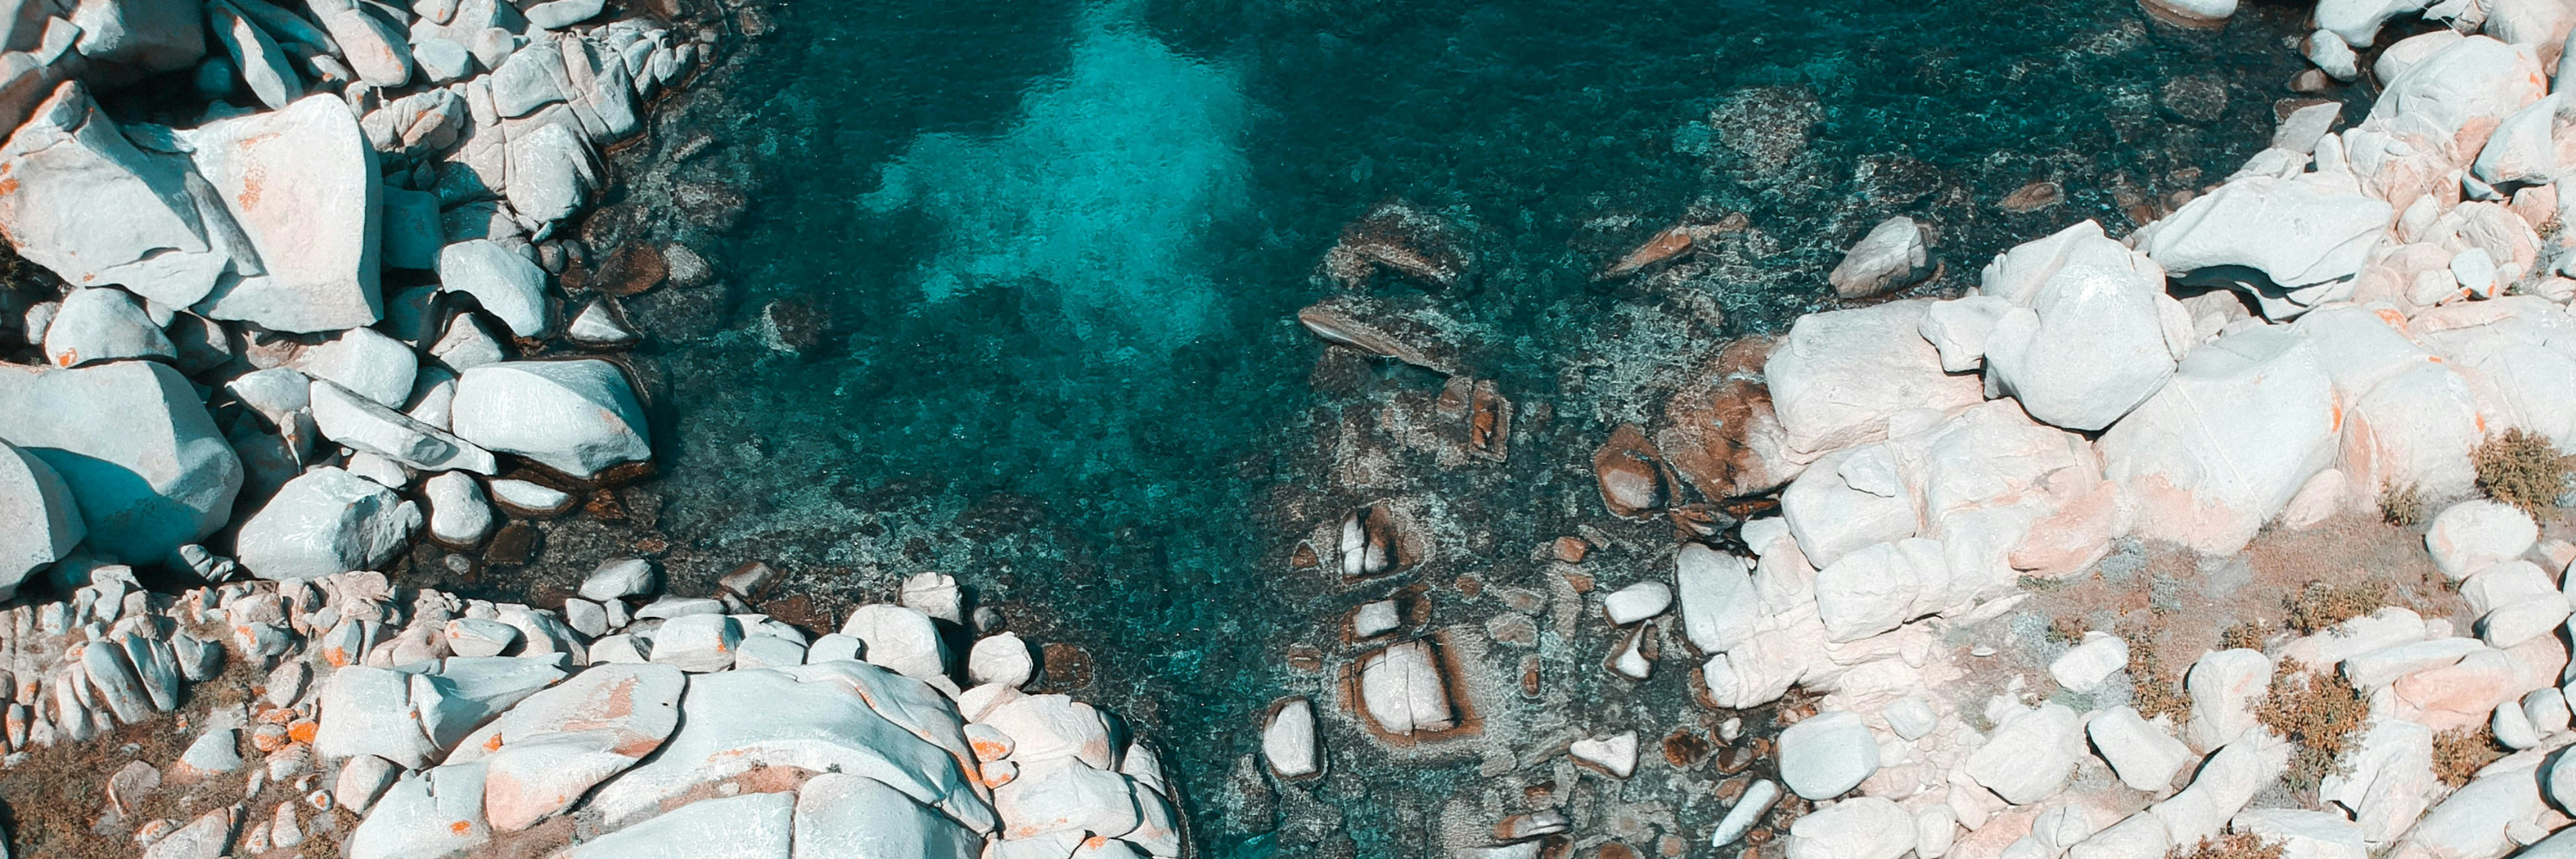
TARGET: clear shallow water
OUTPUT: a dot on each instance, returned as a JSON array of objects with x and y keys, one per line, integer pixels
[{"x": 1060, "y": 247}]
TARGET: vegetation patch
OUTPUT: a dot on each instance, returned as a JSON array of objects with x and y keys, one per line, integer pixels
[
  {"x": 2522, "y": 469},
  {"x": 2402, "y": 504},
  {"x": 2321, "y": 605},
  {"x": 2459, "y": 753},
  {"x": 2236, "y": 846},
  {"x": 2154, "y": 690},
  {"x": 2319, "y": 711}
]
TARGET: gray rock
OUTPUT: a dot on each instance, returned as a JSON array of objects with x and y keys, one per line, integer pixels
[
  {"x": 361, "y": 424},
  {"x": 577, "y": 417},
  {"x": 132, "y": 441},
  {"x": 96, "y": 210},
  {"x": 114, "y": 680},
  {"x": 301, "y": 182},
  {"x": 103, "y": 324},
  {"x": 377, "y": 50},
  {"x": 215, "y": 751},
  {"x": 365, "y": 362},
  {"x": 262, "y": 63},
  {"x": 600, "y": 323},
  {"x": 434, "y": 813},
  {"x": 442, "y": 60},
  {"x": 149, "y": 35},
  {"x": 155, "y": 670},
  {"x": 2141, "y": 754},
  {"x": 467, "y": 344},
  {"x": 207, "y": 837},
  {"x": 586, "y": 617},
  {"x": 324, "y": 522},
  {"x": 362, "y": 780},
  {"x": 199, "y": 659},
  {"x": 505, "y": 283},
  {"x": 559, "y": 14},
  {"x": 528, "y": 80},
  {"x": 530, "y": 499},
  {"x": 472, "y": 637},
  {"x": 39, "y": 521}
]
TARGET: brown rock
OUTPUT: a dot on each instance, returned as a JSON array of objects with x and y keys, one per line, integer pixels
[
  {"x": 1378, "y": 330},
  {"x": 631, "y": 269},
  {"x": 1626, "y": 472},
  {"x": 1570, "y": 549},
  {"x": 1715, "y": 430},
  {"x": 2033, "y": 197},
  {"x": 1674, "y": 241},
  {"x": 1402, "y": 239}
]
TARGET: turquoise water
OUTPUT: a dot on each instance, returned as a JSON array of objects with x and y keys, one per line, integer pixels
[{"x": 1060, "y": 247}]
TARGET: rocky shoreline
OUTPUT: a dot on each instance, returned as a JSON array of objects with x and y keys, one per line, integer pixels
[{"x": 2237, "y": 535}]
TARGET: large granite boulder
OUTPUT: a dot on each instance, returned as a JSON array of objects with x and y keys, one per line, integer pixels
[
  {"x": 131, "y": 439},
  {"x": 1841, "y": 374},
  {"x": 146, "y": 35},
  {"x": 2094, "y": 339},
  {"x": 2470, "y": 79},
  {"x": 39, "y": 521},
  {"x": 577, "y": 417},
  {"x": 302, "y": 184},
  {"x": 553, "y": 747},
  {"x": 2291, "y": 243},
  {"x": 87, "y": 204},
  {"x": 2245, "y": 421},
  {"x": 103, "y": 324},
  {"x": 326, "y": 522}
]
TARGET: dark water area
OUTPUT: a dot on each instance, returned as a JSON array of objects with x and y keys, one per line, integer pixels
[{"x": 1036, "y": 268}]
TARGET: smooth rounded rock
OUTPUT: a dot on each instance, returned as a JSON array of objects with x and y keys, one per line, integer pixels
[
  {"x": 1826, "y": 755},
  {"x": 577, "y": 417},
  {"x": 325, "y": 522},
  {"x": 103, "y": 324}
]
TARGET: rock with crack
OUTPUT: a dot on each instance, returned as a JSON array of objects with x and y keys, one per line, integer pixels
[
  {"x": 1403, "y": 690},
  {"x": 302, "y": 185},
  {"x": 547, "y": 751},
  {"x": 94, "y": 209},
  {"x": 2246, "y": 420},
  {"x": 1288, "y": 740},
  {"x": 323, "y": 522},
  {"x": 103, "y": 324}
]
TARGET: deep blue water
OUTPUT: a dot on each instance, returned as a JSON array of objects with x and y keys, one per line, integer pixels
[{"x": 1061, "y": 246}]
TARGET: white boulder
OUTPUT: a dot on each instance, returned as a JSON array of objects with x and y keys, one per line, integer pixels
[
  {"x": 2467, "y": 537},
  {"x": 2220, "y": 450},
  {"x": 2285, "y": 241},
  {"x": 1891, "y": 257},
  {"x": 2094, "y": 339},
  {"x": 1828, "y": 754},
  {"x": 459, "y": 515},
  {"x": 508, "y": 285},
  {"x": 1288, "y": 739},
  {"x": 103, "y": 324},
  {"x": 899, "y": 639},
  {"x": 323, "y": 522},
  {"x": 302, "y": 184},
  {"x": 1866, "y": 827},
  {"x": 39, "y": 521},
  {"x": 2141, "y": 754},
  {"x": 1839, "y": 375},
  {"x": 577, "y": 417},
  {"x": 2030, "y": 754},
  {"x": 131, "y": 439},
  {"x": 1402, "y": 688}
]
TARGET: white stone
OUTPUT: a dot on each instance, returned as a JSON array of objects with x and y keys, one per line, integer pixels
[
  {"x": 467, "y": 344},
  {"x": 1959, "y": 328},
  {"x": 2387, "y": 780},
  {"x": 2091, "y": 341},
  {"x": 767, "y": 651},
  {"x": 1718, "y": 606},
  {"x": 1288, "y": 739},
  {"x": 2303, "y": 128},
  {"x": 2513, "y": 730},
  {"x": 1065, "y": 796},
  {"x": 103, "y": 324},
  {"x": 620, "y": 577},
  {"x": 365, "y": 362},
  {"x": 1839, "y": 375},
  {"x": 2030, "y": 755},
  {"x": 2516, "y": 602},
  {"x": 1637, "y": 602},
  {"x": 1827, "y": 754},
  {"x": 95, "y": 210},
  {"x": 1615, "y": 754},
  {"x": 2222, "y": 786},
  {"x": 2141, "y": 754},
  {"x": 2290, "y": 234},
  {"x": 2358, "y": 21},
  {"x": 698, "y": 642},
  {"x": 1867, "y": 827},
  {"x": 477, "y": 637},
  {"x": 2546, "y": 710},
  {"x": 215, "y": 751},
  {"x": 545, "y": 752},
  {"x": 39, "y": 521},
  {"x": 458, "y": 513},
  {"x": 899, "y": 639},
  {"x": 933, "y": 594},
  {"x": 145, "y": 464},
  {"x": 2224, "y": 686},
  {"x": 2084, "y": 667},
  {"x": 577, "y": 417},
  {"x": 598, "y": 324},
  {"x": 2520, "y": 150},
  {"x": 323, "y": 522},
  {"x": 507, "y": 285},
  {"x": 368, "y": 711},
  {"x": 1846, "y": 501},
  {"x": 364, "y": 425},
  {"x": 531, "y": 499},
  {"x": 2467, "y": 537},
  {"x": 1748, "y": 810},
  {"x": 1002, "y": 658},
  {"x": 1403, "y": 690},
  {"x": 302, "y": 184},
  {"x": 552, "y": 172},
  {"x": 1891, "y": 257},
  {"x": 2474, "y": 820},
  {"x": 2467, "y": 80},
  {"x": 1910, "y": 717},
  {"x": 1375, "y": 619},
  {"x": 2332, "y": 56},
  {"x": 361, "y": 781}
]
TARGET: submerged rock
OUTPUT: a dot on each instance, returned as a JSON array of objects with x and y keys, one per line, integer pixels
[{"x": 1402, "y": 239}]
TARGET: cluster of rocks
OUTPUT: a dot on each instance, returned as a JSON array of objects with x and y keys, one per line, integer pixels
[
  {"x": 2350, "y": 315},
  {"x": 417, "y": 724},
  {"x": 321, "y": 323}
]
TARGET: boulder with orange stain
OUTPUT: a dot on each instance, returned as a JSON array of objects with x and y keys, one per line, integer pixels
[
  {"x": 1718, "y": 431},
  {"x": 300, "y": 184},
  {"x": 1627, "y": 471},
  {"x": 79, "y": 199},
  {"x": 546, "y": 752}
]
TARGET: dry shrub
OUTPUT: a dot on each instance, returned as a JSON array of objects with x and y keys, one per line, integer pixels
[
  {"x": 2459, "y": 753},
  {"x": 2321, "y": 605},
  {"x": 2237, "y": 846},
  {"x": 2319, "y": 711},
  {"x": 2065, "y": 630},
  {"x": 2249, "y": 635},
  {"x": 2402, "y": 505},
  {"x": 2522, "y": 469},
  {"x": 2152, "y": 689}
]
